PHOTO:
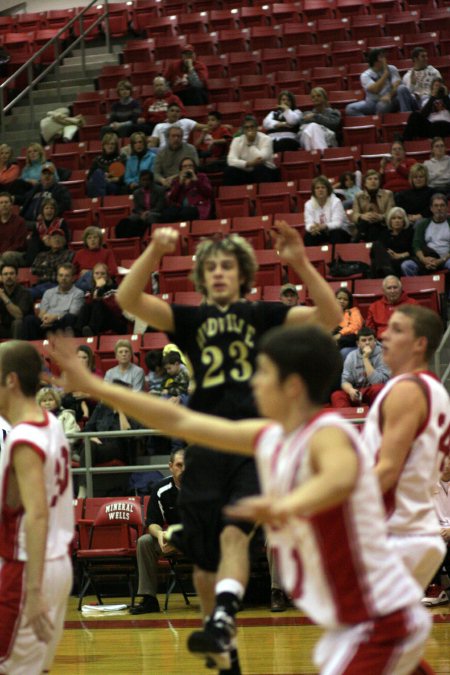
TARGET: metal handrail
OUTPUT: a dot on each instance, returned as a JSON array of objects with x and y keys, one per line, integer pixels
[
  {"x": 28, "y": 65},
  {"x": 438, "y": 368}
]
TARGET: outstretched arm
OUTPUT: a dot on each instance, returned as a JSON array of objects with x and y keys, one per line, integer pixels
[
  {"x": 131, "y": 295},
  {"x": 335, "y": 466},
  {"x": 404, "y": 411},
  {"x": 327, "y": 311},
  {"x": 152, "y": 411}
]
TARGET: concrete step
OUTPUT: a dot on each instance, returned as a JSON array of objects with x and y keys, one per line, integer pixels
[
  {"x": 74, "y": 84},
  {"x": 97, "y": 60}
]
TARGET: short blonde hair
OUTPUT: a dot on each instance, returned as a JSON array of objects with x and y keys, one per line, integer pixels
[
  {"x": 123, "y": 343},
  {"x": 397, "y": 211},
  {"x": 48, "y": 391},
  {"x": 92, "y": 229}
]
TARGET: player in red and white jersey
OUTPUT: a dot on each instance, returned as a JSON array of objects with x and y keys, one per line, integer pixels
[
  {"x": 36, "y": 519},
  {"x": 407, "y": 433},
  {"x": 321, "y": 504}
]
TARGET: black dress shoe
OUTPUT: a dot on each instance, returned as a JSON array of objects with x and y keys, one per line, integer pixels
[
  {"x": 277, "y": 600},
  {"x": 149, "y": 605}
]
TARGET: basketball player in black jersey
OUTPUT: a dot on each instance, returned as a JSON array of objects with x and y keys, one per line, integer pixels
[{"x": 220, "y": 338}]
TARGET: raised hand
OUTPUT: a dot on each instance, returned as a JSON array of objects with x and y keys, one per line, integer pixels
[
  {"x": 287, "y": 242},
  {"x": 164, "y": 240}
]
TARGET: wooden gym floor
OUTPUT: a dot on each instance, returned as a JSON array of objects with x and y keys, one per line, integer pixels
[{"x": 154, "y": 644}]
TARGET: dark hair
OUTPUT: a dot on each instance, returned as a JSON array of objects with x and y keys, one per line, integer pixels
[
  {"x": 90, "y": 354},
  {"x": 7, "y": 194},
  {"x": 290, "y": 96},
  {"x": 306, "y": 351},
  {"x": 146, "y": 172},
  {"x": 172, "y": 357},
  {"x": 343, "y": 176},
  {"x": 190, "y": 159},
  {"x": 426, "y": 323},
  {"x": 250, "y": 118},
  {"x": 364, "y": 332},
  {"x": 153, "y": 359},
  {"x": 417, "y": 50},
  {"x": 173, "y": 105},
  {"x": 17, "y": 356},
  {"x": 374, "y": 55},
  {"x": 347, "y": 293},
  {"x": 216, "y": 114},
  {"x": 437, "y": 195},
  {"x": 66, "y": 266},
  {"x": 173, "y": 453},
  {"x": 13, "y": 265}
]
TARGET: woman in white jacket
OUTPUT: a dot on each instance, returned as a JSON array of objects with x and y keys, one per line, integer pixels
[
  {"x": 283, "y": 123},
  {"x": 325, "y": 219}
]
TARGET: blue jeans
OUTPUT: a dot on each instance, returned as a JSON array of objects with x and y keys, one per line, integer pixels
[
  {"x": 371, "y": 107},
  {"x": 410, "y": 268}
]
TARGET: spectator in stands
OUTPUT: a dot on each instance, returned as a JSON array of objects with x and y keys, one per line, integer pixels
[
  {"x": 431, "y": 243},
  {"x": 250, "y": 158},
  {"x": 141, "y": 158},
  {"x": 78, "y": 401},
  {"x": 320, "y": 126},
  {"x": 50, "y": 399},
  {"x": 176, "y": 382},
  {"x": 126, "y": 371},
  {"x": 190, "y": 195},
  {"x": 325, "y": 218},
  {"x": 213, "y": 143},
  {"x": 370, "y": 207},
  {"x": 416, "y": 200},
  {"x": 124, "y": 112},
  {"x": 148, "y": 204},
  {"x": 9, "y": 170},
  {"x": 416, "y": 84},
  {"x": 156, "y": 373},
  {"x": 394, "y": 245},
  {"x": 46, "y": 264},
  {"x": 394, "y": 168},
  {"x": 47, "y": 187},
  {"x": 46, "y": 223},
  {"x": 380, "y": 83},
  {"x": 93, "y": 252},
  {"x": 109, "y": 450},
  {"x": 59, "y": 307},
  {"x": 100, "y": 312},
  {"x": 102, "y": 180},
  {"x": 34, "y": 160},
  {"x": 347, "y": 187},
  {"x": 168, "y": 159},
  {"x": 13, "y": 233},
  {"x": 162, "y": 511},
  {"x": 438, "y": 166},
  {"x": 154, "y": 109},
  {"x": 15, "y": 303},
  {"x": 364, "y": 373},
  {"x": 289, "y": 295},
  {"x": 283, "y": 123},
  {"x": 158, "y": 139},
  {"x": 347, "y": 331},
  {"x": 188, "y": 78},
  {"x": 433, "y": 119},
  {"x": 59, "y": 125},
  {"x": 380, "y": 311}
]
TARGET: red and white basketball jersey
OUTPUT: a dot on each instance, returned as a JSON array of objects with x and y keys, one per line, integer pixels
[
  {"x": 409, "y": 504},
  {"x": 336, "y": 565},
  {"x": 47, "y": 439}
]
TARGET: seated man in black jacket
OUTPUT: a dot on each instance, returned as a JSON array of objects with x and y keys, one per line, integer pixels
[
  {"x": 162, "y": 511},
  {"x": 47, "y": 187}
]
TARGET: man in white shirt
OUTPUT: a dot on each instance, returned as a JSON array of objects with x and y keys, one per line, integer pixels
[
  {"x": 250, "y": 158},
  {"x": 416, "y": 85},
  {"x": 380, "y": 83},
  {"x": 159, "y": 133}
]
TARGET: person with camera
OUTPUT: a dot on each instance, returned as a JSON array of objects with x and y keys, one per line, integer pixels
[
  {"x": 433, "y": 119},
  {"x": 190, "y": 196}
]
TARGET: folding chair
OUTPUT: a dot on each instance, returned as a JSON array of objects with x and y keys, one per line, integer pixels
[{"x": 111, "y": 547}]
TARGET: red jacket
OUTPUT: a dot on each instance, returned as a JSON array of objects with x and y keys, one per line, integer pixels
[
  {"x": 380, "y": 311},
  {"x": 175, "y": 71},
  {"x": 155, "y": 109},
  {"x": 13, "y": 234},
  {"x": 197, "y": 193},
  {"x": 85, "y": 259}
]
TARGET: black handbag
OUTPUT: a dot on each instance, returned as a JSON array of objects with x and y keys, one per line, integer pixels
[{"x": 346, "y": 268}]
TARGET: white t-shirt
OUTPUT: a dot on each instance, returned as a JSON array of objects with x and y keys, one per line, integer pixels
[{"x": 161, "y": 130}]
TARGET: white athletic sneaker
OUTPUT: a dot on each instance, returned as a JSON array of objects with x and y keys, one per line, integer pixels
[{"x": 435, "y": 595}]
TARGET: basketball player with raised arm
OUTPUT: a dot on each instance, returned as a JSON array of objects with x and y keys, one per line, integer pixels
[
  {"x": 36, "y": 519},
  {"x": 321, "y": 502},
  {"x": 407, "y": 433},
  {"x": 220, "y": 337}
]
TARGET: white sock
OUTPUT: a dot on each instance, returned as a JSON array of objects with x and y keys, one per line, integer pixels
[{"x": 230, "y": 586}]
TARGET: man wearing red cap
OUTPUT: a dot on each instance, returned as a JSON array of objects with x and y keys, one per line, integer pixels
[{"x": 187, "y": 77}]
